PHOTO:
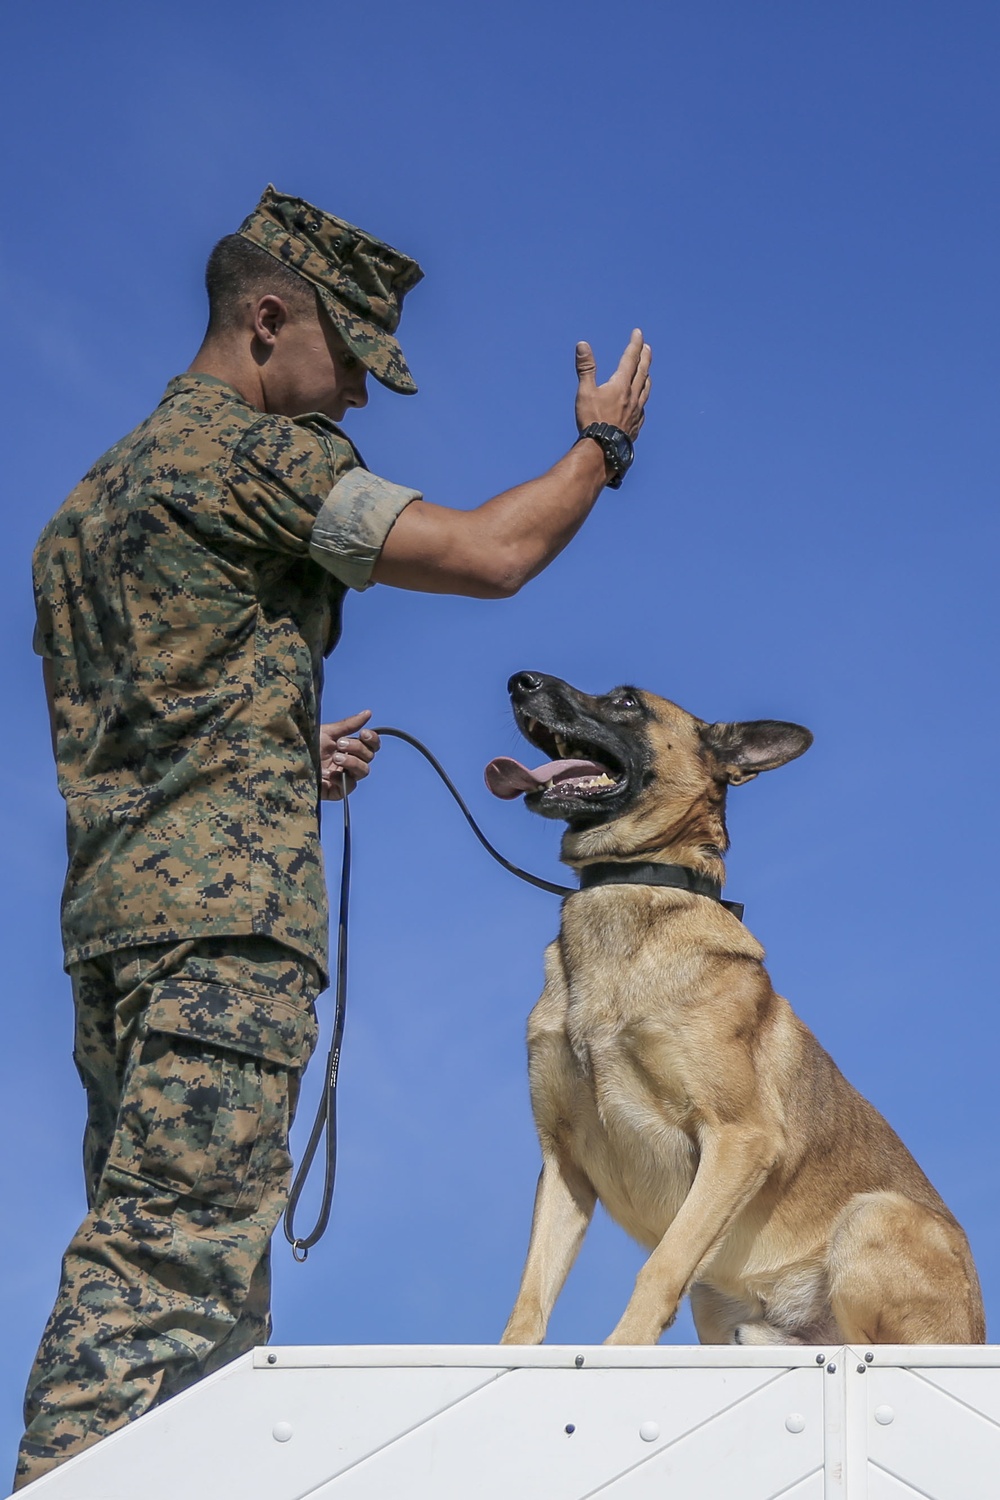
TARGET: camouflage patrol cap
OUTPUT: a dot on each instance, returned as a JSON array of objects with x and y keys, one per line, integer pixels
[{"x": 361, "y": 281}]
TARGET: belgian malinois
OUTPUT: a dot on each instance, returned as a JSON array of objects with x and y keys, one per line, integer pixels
[{"x": 669, "y": 1079}]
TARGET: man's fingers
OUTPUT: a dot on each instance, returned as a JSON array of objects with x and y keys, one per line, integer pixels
[
  {"x": 631, "y": 355},
  {"x": 354, "y": 765},
  {"x": 331, "y": 780},
  {"x": 348, "y": 726},
  {"x": 586, "y": 365},
  {"x": 339, "y": 734},
  {"x": 344, "y": 750},
  {"x": 365, "y": 745},
  {"x": 640, "y": 377}
]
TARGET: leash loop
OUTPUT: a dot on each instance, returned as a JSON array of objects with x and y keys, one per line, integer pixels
[{"x": 326, "y": 1115}]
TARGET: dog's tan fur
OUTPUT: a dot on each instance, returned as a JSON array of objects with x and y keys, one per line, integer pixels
[{"x": 669, "y": 1080}]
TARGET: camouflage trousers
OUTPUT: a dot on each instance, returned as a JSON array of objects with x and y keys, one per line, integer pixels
[{"x": 191, "y": 1055}]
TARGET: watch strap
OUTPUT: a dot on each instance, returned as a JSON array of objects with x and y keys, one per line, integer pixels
[{"x": 616, "y": 446}]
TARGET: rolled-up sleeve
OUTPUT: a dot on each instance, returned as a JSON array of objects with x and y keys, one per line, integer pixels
[{"x": 353, "y": 523}]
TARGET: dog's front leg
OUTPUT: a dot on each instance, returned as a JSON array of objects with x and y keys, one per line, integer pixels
[
  {"x": 735, "y": 1161},
  {"x": 564, "y": 1206}
]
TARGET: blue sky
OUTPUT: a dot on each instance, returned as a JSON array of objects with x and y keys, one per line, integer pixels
[{"x": 797, "y": 203}]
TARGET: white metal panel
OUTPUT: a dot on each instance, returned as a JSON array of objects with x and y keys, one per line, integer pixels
[
  {"x": 219, "y": 1438},
  {"x": 489, "y": 1423},
  {"x": 510, "y": 1439},
  {"x": 979, "y": 1389},
  {"x": 882, "y": 1486},
  {"x": 747, "y": 1450},
  {"x": 807, "y": 1489},
  {"x": 929, "y": 1440},
  {"x": 847, "y": 1419}
]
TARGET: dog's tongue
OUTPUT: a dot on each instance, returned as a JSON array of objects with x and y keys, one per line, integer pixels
[{"x": 508, "y": 778}]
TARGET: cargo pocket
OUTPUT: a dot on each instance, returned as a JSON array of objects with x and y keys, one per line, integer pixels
[{"x": 206, "y": 1097}]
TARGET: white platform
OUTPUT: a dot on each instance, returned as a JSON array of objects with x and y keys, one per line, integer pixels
[{"x": 451, "y": 1422}]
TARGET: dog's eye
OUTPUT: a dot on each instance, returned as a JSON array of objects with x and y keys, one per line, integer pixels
[{"x": 624, "y": 700}]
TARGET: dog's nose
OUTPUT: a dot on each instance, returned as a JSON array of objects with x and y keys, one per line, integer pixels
[{"x": 523, "y": 683}]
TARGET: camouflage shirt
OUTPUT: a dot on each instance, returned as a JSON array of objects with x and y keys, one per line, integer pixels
[{"x": 187, "y": 593}]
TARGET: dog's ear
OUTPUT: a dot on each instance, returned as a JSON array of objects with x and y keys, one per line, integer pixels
[{"x": 744, "y": 750}]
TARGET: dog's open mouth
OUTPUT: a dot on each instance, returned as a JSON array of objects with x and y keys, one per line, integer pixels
[{"x": 582, "y": 770}]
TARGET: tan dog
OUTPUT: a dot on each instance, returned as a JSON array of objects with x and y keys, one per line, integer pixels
[{"x": 670, "y": 1081}]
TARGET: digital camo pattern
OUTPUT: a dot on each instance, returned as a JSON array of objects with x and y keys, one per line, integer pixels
[
  {"x": 360, "y": 280},
  {"x": 191, "y": 1056},
  {"x": 185, "y": 626}
]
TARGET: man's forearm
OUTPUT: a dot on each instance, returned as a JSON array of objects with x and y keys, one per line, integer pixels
[
  {"x": 490, "y": 552},
  {"x": 531, "y": 524}
]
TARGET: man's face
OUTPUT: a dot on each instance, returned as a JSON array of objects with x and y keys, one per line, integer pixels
[{"x": 310, "y": 368}]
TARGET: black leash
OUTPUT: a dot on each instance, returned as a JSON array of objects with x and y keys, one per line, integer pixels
[
  {"x": 543, "y": 885},
  {"x": 326, "y": 1114},
  {"x": 610, "y": 873}
]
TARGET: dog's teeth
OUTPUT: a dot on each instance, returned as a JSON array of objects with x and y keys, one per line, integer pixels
[
  {"x": 561, "y": 745},
  {"x": 532, "y": 725}
]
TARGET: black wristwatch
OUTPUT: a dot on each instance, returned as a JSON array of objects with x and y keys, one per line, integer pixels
[{"x": 617, "y": 447}]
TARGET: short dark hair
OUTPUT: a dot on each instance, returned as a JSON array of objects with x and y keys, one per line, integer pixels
[{"x": 239, "y": 272}]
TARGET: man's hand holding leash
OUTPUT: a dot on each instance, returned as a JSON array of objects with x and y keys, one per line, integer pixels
[{"x": 346, "y": 748}]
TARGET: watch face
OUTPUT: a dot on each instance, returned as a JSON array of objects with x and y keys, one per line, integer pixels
[{"x": 619, "y": 450}]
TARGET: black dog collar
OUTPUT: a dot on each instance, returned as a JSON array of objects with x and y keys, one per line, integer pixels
[{"x": 677, "y": 876}]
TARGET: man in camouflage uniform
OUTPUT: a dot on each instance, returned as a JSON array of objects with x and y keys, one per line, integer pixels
[{"x": 187, "y": 593}]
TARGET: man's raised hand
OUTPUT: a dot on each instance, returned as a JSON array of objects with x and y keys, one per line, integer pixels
[
  {"x": 621, "y": 400},
  {"x": 345, "y": 747}
]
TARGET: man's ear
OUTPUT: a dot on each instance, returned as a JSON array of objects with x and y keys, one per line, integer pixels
[
  {"x": 269, "y": 317},
  {"x": 743, "y": 750}
]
